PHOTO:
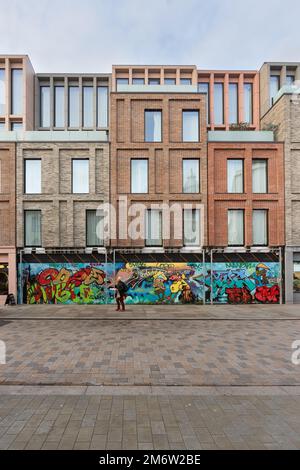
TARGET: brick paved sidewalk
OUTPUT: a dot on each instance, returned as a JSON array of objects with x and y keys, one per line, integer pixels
[
  {"x": 157, "y": 352},
  {"x": 163, "y": 421}
]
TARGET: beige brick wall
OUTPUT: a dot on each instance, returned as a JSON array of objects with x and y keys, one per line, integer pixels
[{"x": 63, "y": 213}]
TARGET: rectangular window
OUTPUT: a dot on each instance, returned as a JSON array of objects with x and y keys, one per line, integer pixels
[
  {"x": 16, "y": 126},
  {"x": 87, "y": 96},
  {"x": 122, "y": 81},
  {"x": 94, "y": 228},
  {"x": 203, "y": 87},
  {"x": 289, "y": 80},
  {"x": 260, "y": 227},
  {"x": 102, "y": 106},
  {"x": 190, "y": 175},
  {"x": 153, "y": 227},
  {"x": 218, "y": 103},
  {"x": 153, "y": 126},
  {"x": 44, "y": 106},
  {"x": 32, "y": 228},
  {"x": 33, "y": 176},
  {"x": 80, "y": 176},
  {"x": 259, "y": 176},
  {"x": 185, "y": 81},
  {"x": 248, "y": 99},
  {"x": 170, "y": 81},
  {"x": 138, "y": 81},
  {"x": 153, "y": 81},
  {"x": 235, "y": 176},
  {"x": 2, "y": 126},
  {"x": 2, "y": 92},
  {"x": 139, "y": 175},
  {"x": 74, "y": 106},
  {"x": 59, "y": 106},
  {"x": 235, "y": 227},
  {"x": 17, "y": 91},
  {"x": 191, "y": 227},
  {"x": 233, "y": 103},
  {"x": 274, "y": 86},
  {"x": 190, "y": 126}
]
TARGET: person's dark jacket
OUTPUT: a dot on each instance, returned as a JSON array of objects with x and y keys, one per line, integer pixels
[{"x": 121, "y": 287}]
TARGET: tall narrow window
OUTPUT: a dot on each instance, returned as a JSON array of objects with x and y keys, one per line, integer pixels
[
  {"x": 139, "y": 175},
  {"x": 190, "y": 126},
  {"x": 274, "y": 87},
  {"x": 2, "y": 126},
  {"x": 102, "y": 106},
  {"x": 32, "y": 228},
  {"x": 289, "y": 80},
  {"x": 203, "y": 87},
  {"x": 2, "y": 92},
  {"x": 33, "y": 176},
  {"x": 235, "y": 176},
  {"x": 235, "y": 227},
  {"x": 218, "y": 103},
  {"x": 80, "y": 176},
  {"x": 233, "y": 103},
  {"x": 153, "y": 126},
  {"x": 260, "y": 227},
  {"x": 45, "y": 106},
  {"x": 248, "y": 99},
  {"x": 59, "y": 106},
  {"x": 190, "y": 175},
  {"x": 87, "y": 93},
  {"x": 191, "y": 227},
  {"x": 259, "y": 176},
  {"x": 17, "y": 91},
  {"x": 94, "y": 228},
  {"x": 74, "y": 106},
  {"x": 153, "y": 227}
]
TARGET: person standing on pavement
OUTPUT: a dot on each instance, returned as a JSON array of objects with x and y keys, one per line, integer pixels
[{"x": 121, "y": 289}]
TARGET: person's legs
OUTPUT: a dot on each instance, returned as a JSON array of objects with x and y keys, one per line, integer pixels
[
  {"x": 118, "y": 303},
  {"x": 122, "y": 302}
]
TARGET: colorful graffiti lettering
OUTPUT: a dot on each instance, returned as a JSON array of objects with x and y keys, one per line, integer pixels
[
  {"x": 64, "y": 284},
  {"x": 3, "y": 278},
  {"x": 151, "y": 283}
]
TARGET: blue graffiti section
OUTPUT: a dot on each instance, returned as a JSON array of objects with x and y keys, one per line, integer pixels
[{"x": 150, "y": 283}]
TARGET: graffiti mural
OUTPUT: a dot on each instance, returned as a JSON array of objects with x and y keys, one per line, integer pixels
[
  {"x": 63, "y": 283},
  {"x": 244, "y": 283},
  {"x": 150, "y": 283},
  {"x": 3, "y": 278},
  {"x": 296, "y": 282}
]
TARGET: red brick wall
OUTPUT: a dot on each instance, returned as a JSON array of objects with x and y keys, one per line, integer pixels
[{"x": 219, "y": 201}]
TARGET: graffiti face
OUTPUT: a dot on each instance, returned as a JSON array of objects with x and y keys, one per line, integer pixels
[{"x": 152, "y": 283}]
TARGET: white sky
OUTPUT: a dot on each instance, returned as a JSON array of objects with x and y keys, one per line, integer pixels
[{"x": 91, "y": 35}]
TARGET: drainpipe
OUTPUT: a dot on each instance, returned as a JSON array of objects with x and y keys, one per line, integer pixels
[
  {"x": 106, "y": 277},
  {"x": 114, "y": 263},
  {"x": 20, "y": 270},
  {"x": 211, "y": 277},
  {"x": 280, "y": 275},
  {"x": 203, "y": 275}
]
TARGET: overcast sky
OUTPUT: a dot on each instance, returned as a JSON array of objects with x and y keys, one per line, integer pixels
[{"x": 91, "y": 35}]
